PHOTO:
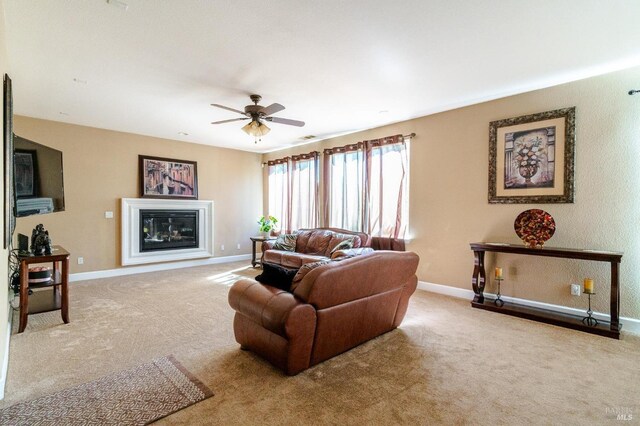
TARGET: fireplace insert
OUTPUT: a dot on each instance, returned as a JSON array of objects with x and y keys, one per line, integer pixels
[{"x": 168, "y": 229}]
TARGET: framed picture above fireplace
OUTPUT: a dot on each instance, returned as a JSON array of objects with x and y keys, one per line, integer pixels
[{"x": 168, "y": 178}]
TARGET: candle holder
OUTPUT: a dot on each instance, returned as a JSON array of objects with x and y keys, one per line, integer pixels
[
  {"x": 589, "y": 319},
  {"x": 498, "y": 301}
]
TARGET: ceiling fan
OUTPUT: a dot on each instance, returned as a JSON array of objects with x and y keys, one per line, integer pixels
[{"x": 258, "y": 115}]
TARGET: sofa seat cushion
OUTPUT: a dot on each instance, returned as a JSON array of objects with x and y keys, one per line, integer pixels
[{"x": 290, "y": 259}]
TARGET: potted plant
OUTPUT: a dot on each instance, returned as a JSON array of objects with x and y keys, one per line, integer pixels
[{"x": 267, "y": 224}]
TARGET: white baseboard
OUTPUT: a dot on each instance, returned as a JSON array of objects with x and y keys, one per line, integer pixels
[
  {"x": 629, "y": 324},
  {"x": 107, "y": 273},
  {"x": 5, "y": 363}
]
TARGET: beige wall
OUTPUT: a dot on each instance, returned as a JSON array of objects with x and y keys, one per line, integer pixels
[
  {"x": 101, "y": 167},
  {"x": 448, "y": 195}
]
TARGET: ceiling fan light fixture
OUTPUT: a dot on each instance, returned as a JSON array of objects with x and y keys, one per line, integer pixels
[{"x": 256, "y": 129}]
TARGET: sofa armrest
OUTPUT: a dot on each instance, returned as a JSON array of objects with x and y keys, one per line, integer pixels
[
  {"x": 338, "y": 254},
  {"x": 276, "y": 310}
]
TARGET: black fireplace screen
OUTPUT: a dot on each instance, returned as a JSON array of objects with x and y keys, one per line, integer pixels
[{"x": 168, "y": 229}]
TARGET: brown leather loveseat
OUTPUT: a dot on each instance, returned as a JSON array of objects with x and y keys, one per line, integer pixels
[
  {"x": 335, "y": 307},
  {"x": 316, "y": 244}
]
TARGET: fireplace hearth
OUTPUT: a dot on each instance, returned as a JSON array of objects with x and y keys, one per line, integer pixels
[{"x": 168, "y": 229}]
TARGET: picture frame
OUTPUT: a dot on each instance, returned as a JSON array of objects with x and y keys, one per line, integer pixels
[
  {"x": 168, "y": 178},
  {"x": 531, "y": 158},
  {"x": 9, "y": 202},
  {"x": 25, "y": 163}
]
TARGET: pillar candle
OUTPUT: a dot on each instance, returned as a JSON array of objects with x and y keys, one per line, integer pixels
[
  {"x": 498, "y": 273},
  {"x": 588, "y": 285}
]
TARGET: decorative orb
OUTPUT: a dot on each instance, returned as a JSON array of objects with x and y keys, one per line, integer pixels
[{"x": 534, "y": 227}]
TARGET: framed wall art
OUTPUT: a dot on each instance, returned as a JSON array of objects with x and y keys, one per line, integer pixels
[
  {"x": 168, "y": 178},
  {"x": 531, "y": 158}
]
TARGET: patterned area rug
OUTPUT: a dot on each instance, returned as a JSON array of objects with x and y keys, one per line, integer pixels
[{"x": 137, "y": 396}]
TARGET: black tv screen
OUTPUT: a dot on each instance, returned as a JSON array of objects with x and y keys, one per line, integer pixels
[{"x": 38, "y": 178}]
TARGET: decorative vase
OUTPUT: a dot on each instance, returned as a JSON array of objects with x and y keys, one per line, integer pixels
[{"x": 528, "y": 171}]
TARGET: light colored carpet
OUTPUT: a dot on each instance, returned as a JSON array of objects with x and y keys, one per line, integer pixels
[
  {"x": 447, "y": 364},
  {"x": 133, "y": 397}
]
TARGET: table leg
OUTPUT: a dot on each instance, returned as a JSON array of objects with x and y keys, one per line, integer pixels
[
  {"x": 615, "y": 296},
  {"x": 478, "y": 277},
  {"x": 24, "y": 296},
  {"x": 65, "y": 291},
  {"x": 253, "y": 252}
]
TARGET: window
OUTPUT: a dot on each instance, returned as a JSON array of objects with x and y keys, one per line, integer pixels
[
  {"x": 346, "y": 189},
  {"x": 304, "y": 191},
  {"x": 366, "y": 187},
  {"x": 293, "y": 191},
  {"x": 279, "y": 191},
  {"x": 389, "y": 191}
]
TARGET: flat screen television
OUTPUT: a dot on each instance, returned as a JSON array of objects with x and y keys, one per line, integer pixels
[{"x": 38, "y": 178}]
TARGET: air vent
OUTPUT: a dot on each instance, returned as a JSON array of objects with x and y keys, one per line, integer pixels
[{"x": 308, "y": 137}]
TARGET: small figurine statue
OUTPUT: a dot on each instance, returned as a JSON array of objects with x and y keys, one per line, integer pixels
[{"x": 40, "y": 241}]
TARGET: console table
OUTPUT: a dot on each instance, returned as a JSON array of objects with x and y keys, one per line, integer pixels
[
  {"x": 478, "y": 280},
  {"x": 60, "y": 283}
]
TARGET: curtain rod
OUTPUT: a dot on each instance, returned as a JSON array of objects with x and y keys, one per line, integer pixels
[{"x": 409, "y": 136}]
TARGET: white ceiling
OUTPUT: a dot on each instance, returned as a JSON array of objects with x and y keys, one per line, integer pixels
[{"x": 155, "y": 68}]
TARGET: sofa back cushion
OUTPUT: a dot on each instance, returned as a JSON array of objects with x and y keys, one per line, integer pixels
[
  {"x": 321, "y": 241},
  {"x": 313, "y": 241}
]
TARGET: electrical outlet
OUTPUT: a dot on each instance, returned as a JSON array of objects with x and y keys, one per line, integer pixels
[
  {"x": 222, "y": 247},
  {"x": 238, "y": 246},
  {"x": 81, "y": 261},
  {"x": 108, "y": 215},
  {"x": 575, "y": 289}
]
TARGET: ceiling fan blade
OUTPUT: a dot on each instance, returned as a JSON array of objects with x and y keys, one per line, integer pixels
[
  {"x": 228, "y": 109},
  {"x": 271, "y": 109},
  {"x": 229, "y": 121},
  {"x": 285, "y": 121}
]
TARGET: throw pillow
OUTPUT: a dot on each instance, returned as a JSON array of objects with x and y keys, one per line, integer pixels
[
  {"x": 276, "y": 276},
  {"x": 344, "y": 245},
  {"x": 286, "y": 242},
  {"x": 304, "y": 270}
]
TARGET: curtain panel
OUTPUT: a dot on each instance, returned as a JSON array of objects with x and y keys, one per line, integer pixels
[
  {"x": 280, "y": 191},
  {"x": 366, "y": 187},
  {"x": 293, "y": 191}
]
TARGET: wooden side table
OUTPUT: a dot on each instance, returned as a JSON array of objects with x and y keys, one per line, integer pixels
[
  {"x": 255, "y": 240},
  {"x": 60, "y": 283}
]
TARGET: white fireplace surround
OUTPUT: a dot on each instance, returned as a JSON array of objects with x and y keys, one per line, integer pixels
[{"x": 131, "y": 207}]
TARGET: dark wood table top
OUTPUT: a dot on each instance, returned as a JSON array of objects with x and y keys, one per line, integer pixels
[
  {"x": 57, "y": 253},
  {"x": 567, "y": 253},
  {"x": 261, "y": 238}
]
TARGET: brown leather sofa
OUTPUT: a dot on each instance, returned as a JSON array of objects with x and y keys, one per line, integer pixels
[
  {"x": 334, "y": 308},
  {"x": 313, "y": 245}
]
